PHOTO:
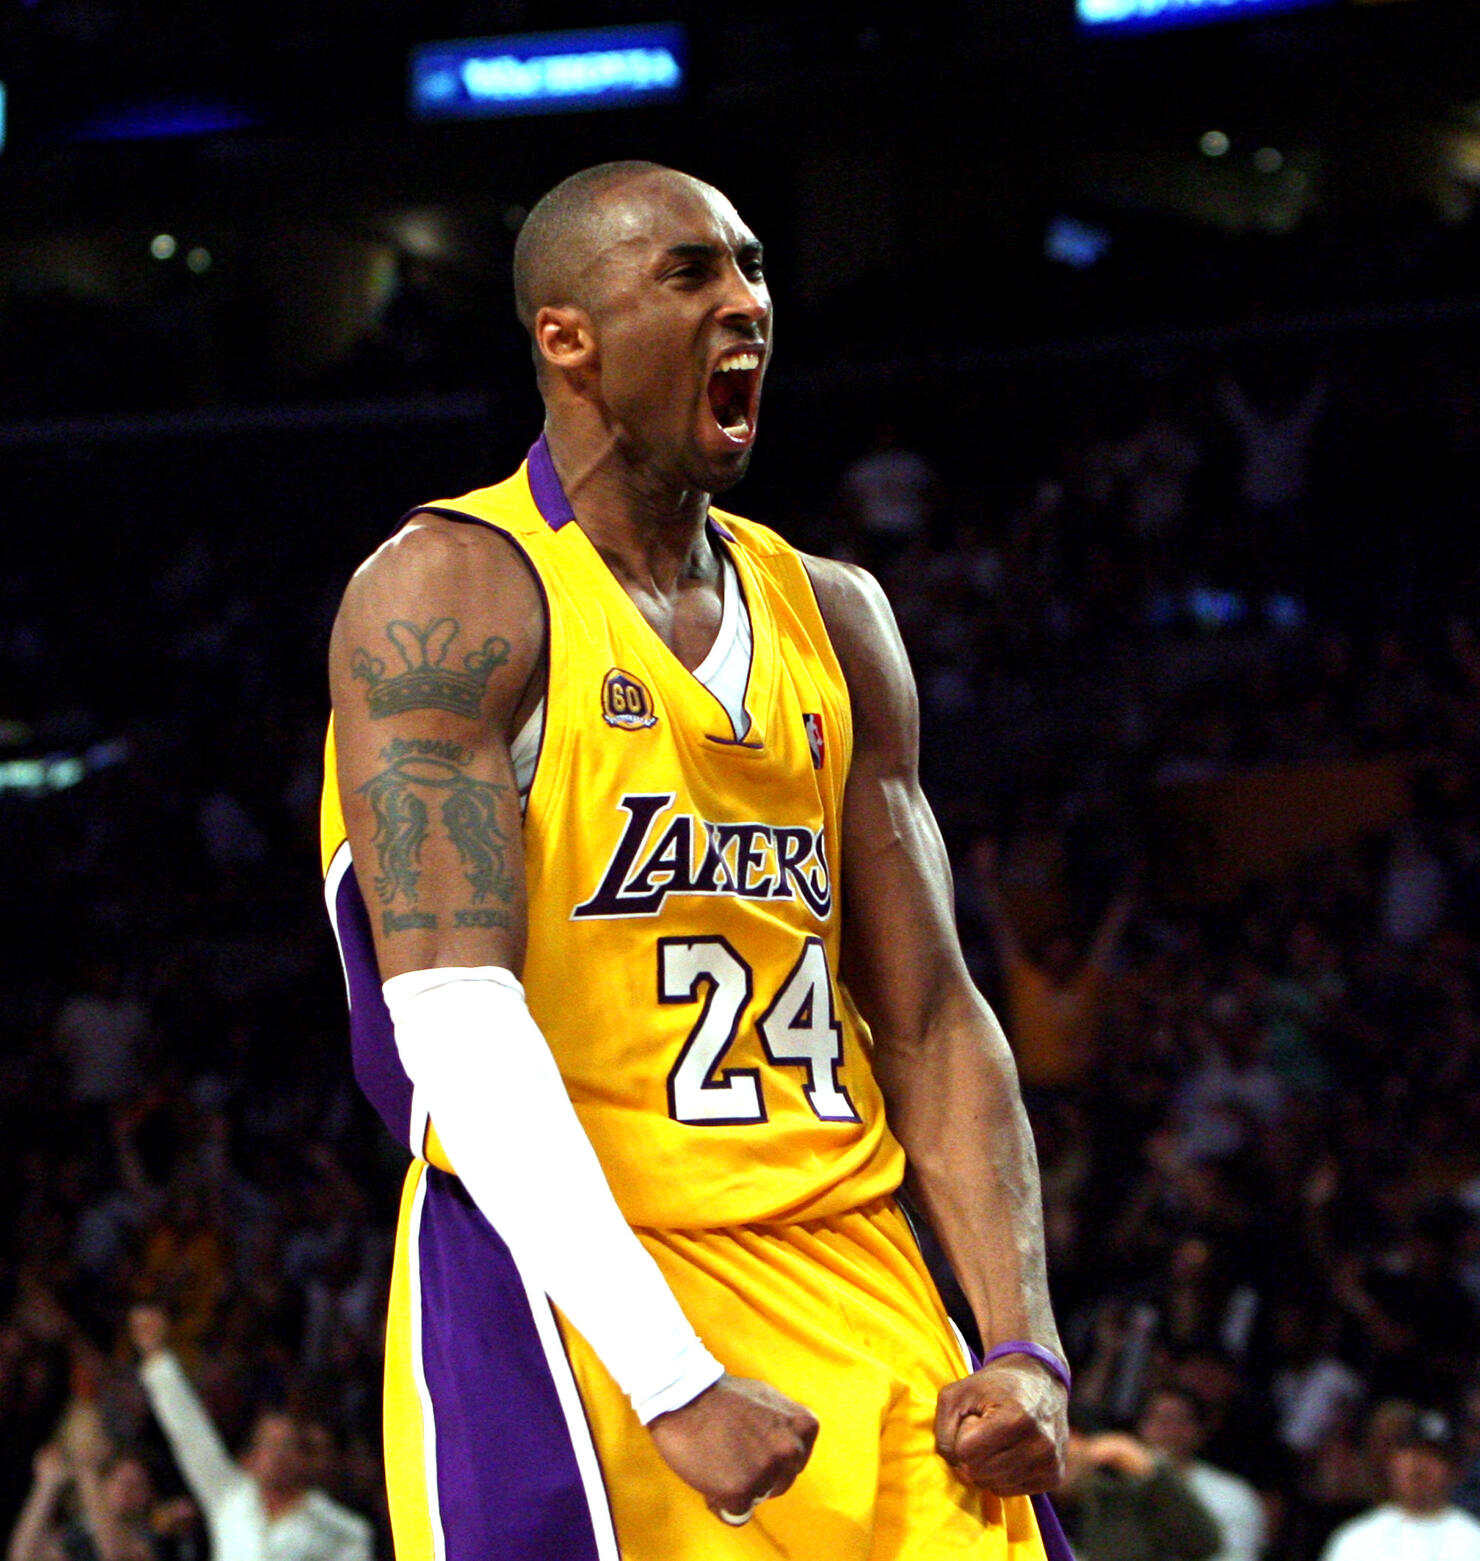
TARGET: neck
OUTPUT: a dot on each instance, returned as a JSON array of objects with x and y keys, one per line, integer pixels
[
  {"x": 278, "y": 1500},
  {"x": 647, "y": 527}
]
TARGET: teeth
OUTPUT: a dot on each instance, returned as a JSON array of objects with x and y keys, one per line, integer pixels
[
  {"x": 746, "y": 360},
  {"x": 740, "y": 429}
]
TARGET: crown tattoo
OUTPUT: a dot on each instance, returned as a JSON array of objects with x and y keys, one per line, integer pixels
[{"x": 427, "y": 683}]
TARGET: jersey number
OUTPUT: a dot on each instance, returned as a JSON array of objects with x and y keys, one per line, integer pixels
[{"x": 798, "y": 1029}]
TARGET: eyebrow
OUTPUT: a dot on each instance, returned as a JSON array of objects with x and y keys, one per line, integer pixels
[{"x": 750, "y": 251}]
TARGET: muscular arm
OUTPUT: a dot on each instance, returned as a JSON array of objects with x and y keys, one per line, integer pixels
[
  {"x": 948, "y": 1078},
  {"x": 432, "y": 659},
  {"x": 432, "y": 665}
]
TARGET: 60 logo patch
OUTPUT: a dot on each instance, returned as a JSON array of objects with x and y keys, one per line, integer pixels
[{"x": 625, "y": 702}]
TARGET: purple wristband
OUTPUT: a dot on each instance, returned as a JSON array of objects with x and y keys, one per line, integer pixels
[{"x": 1026, "y": 1347}]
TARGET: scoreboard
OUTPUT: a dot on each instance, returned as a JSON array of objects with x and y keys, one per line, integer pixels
[{"x": 1149, "y": 15}]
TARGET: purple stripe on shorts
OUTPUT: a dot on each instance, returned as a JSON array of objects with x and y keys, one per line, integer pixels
[
  {"x": 1050, "y": 1530},
  {"x": 507, "y": 1479},
  {"x": 372, "y": 1037},
  {"x": 544, "y": 486}
]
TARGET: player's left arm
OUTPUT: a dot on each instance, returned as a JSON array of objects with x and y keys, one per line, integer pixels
[{"x": 948, "y": 1078}]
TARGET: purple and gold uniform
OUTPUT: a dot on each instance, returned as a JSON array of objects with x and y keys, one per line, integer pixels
[{"x": 684, "y": 946}]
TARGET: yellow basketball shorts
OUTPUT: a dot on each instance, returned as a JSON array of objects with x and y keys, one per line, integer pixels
[{"x": 506, "y": 1439}]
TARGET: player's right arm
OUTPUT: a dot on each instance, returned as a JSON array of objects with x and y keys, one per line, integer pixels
[{"x": 435, "y": 662}]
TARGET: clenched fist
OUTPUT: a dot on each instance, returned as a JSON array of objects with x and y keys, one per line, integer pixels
[
  {"x": 149, "y": 1328},
  {"x": 738, "y": 1444},
  {"x": 1005, "y": 1428}
]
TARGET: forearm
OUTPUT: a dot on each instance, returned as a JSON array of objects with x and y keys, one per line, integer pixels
[
  {"x": 110, "y": 1536},
  {"x": 34, "y": 1523},
  {"x": 196, "y": 1444},
  {"x": 954, "y": 1105},
  {"x": 502, "y": 1113}
]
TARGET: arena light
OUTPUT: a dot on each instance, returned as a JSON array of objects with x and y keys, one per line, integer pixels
[
  {"x": 1148, "y": 15},
  {"x": 162, "y": 121},
  {"x": 548, "y": 73},
  {"x": 40, "y": 777}
]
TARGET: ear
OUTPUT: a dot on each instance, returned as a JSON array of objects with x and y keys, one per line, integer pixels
[{"x": 564, "y": 338}]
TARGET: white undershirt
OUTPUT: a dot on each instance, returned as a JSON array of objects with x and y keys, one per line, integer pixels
[{"x": 725, "y": 672}]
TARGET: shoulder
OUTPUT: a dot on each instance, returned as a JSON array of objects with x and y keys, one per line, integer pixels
[
  {"x": 331, "y": 1514},
  {"x": 440, "y": 568},
  {"x": 876, "y": 667},
  {"x": 857, "y": 613},
  {"x": 1357, "y": 1537},
  {"x": 1221, "y": 1485},
  {"x": 431, "y": 548},
  {"x": 440, "y": 589},
  {"x": 847, "y": 590},
  {"x": 1460, "y": 1522}
]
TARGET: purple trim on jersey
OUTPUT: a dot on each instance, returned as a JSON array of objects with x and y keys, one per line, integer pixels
[
  {"x": 508, "y": 1485},
  {"x": 372, "y": 1037},
  {"x": 544, "y": 486},
  {"x": 549, "y": 496}
]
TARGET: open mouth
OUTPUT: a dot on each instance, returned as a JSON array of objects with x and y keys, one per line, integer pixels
[{"x": 733, "y": 391}]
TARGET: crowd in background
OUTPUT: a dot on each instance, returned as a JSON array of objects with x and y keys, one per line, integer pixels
[{"x": 1254, "y": 1075}]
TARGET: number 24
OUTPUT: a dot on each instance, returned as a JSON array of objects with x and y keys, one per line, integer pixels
[{"x": 799, "y": 1029}]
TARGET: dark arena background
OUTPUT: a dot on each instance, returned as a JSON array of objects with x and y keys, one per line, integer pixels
[{"x": 1136, "y": 350}]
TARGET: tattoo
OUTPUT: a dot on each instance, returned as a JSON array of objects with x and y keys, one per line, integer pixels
[
  {"x": 480, "y": 918},
  {"x": 468, "y": 817},
  {"x": 467, "y": 813},
  {"x": 400, "y": 833},
  {"x": 426, "y": 748},
  {"x": 427, "y": 682},
  {"x": 407, "y": 921}
]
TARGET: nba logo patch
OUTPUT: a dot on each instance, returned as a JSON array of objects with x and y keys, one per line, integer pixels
[
  {"x": 815, "y": 740},
  {"x": 625, "y": 702}
]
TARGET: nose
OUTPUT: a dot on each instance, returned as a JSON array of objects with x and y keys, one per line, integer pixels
[{"x": 746, "y": 303}]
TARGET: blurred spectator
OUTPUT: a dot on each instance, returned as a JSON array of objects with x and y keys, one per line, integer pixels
[
  {"x": 886, "y": 497},
  {"x": 1054, "y": 1001},
  {"x": 115, "y": 1497},
  {"x": 1418, "y": 1521},
  {"x": 265, "y": 1506},
  {"x": 1127, "y": 1503},
  {"x": 1275, "y": 431},
  {"x": 1413, "y": 891},
  {"x": 1173, "y": 1424},
  {"x": 102, "y": 1032}
]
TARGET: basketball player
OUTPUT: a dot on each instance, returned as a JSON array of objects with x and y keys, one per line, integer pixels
[{"x": 648, "y": 936}]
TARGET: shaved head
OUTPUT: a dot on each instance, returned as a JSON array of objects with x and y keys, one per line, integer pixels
[
  {"x": 645, "y": 300},
  {"x": 562, "y": 234}
]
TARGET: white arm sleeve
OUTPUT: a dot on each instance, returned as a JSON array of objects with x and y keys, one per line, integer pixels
[{"x": 471, "y": 1047}]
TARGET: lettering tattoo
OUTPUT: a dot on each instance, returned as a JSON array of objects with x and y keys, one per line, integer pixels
[
  {"x": 427, "y": 682},
  {"x": 420, "y": 772},
  {"x": 407, "y": 921},
  {"x": 485, "y": 917}
]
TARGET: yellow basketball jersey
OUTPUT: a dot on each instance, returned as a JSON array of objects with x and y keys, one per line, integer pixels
[{"x": 684, "y": 893}]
